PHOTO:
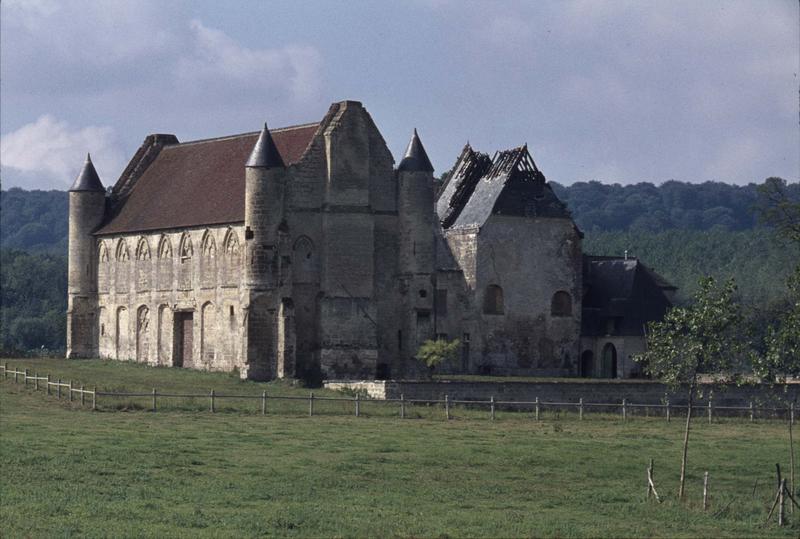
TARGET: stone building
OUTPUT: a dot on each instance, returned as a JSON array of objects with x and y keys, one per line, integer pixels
[{"x": 303, "y": 252}]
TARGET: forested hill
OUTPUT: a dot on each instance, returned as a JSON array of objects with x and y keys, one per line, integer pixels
[
  {"x": 600, "y": 207},
  {"x": 36, "y": 221}
]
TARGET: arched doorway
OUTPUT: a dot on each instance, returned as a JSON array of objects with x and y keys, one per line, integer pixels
[
  {"x": 609, "y": 369},
  {"x": 587, "y": 364}
]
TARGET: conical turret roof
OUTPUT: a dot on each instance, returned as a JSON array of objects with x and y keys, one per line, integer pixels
[
  {"x": 415, "y": 159},
  {"x": 87, "y": 180},
  {"x": 265, "y": 154}
]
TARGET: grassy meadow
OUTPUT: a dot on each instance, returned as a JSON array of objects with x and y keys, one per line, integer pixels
[{"x": 124, "y": 471}]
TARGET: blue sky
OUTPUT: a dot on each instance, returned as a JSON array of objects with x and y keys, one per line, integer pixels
[{"x": 618, "y": 91}]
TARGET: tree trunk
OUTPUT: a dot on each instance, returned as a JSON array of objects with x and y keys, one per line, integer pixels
[{"x": 686, "y": 440}]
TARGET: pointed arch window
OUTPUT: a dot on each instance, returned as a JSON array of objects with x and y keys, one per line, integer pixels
[
  {"x": 122, "y": 273},
  {"x": 164, "y": 265},
  {"x": 208, "y": 261},
  {"x": 232, "y": 259},
  {"x": 143, "y": 268},
  {"x": 102, "y": 267},
  {"x": 185, "y": 254}
]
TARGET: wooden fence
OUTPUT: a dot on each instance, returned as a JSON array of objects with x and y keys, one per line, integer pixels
[{"x": 624, "y": 408}]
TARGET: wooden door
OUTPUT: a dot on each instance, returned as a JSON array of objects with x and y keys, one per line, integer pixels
[{"x": 184, "y": 327}]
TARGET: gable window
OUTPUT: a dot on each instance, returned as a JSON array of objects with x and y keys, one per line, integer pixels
[
  {"x": 493, "y": 300},
  {"x": 561, "y": 304}
]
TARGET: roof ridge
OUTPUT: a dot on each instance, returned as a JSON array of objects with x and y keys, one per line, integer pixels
[{"x": 247, "y": 134}]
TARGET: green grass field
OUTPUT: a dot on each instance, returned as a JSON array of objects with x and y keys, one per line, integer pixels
[{"x": 123, "y": 471}]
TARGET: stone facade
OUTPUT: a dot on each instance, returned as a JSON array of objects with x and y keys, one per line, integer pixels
[{"x": 304, "y": 252}]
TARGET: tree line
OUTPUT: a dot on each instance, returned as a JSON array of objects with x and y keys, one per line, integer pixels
[{"x": 682, "y": 230}]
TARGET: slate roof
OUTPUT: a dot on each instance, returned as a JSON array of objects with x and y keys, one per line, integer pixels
[
  {"x": 87, "y": 180},
  {"x": 415, "y": 158},
  {"x": 509, "y": 184},
  {"x": 198, "y": 183},
  {"x": 621, "y": 289}
]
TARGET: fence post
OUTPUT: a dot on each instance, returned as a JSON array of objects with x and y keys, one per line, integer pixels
[
  {"x": 16, "y": 372},
  {"x": 781, "y": 502},
  {"x": 447, "y": 407},
  {"x": 263, "y": 403},
  {"x": 580, "y": 409},
  {"x": 705, "y": 491},
  {"x": 791, "y": 417},
  {"x": 752, "y": 414},
  {"x": 25, "y": 377},
  {"x": 58, "y": 388},
  {"x": 48, "y": 385},
  {"x": 624, "y": 410},
  {"x": 36, "y": 382},
  {"x": 668, "y": 414},
  {"x": 83, "y": 396},
  {"x": 212, "y": 401},
  {"x": 5, "y": 370},
  {"x": 536, "y": 402},
  {"x": 709, "y": 411},
  {"x": 311, "y": 404},
  {"x": 70, "y": 391},
  {"x": 491, "y": 401},
  {"x": 94, "y": 398},
  {"x": 358, "y": 404},
  {"x": 154, "y": 400},
  {"x": 402, "y": 406}
]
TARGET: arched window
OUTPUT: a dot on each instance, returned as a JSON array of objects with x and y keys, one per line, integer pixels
[
  {"x": 143, "y": 334},
  {"x": 208, "y": 333},
  {"x": 561, "y": 304},
  {"x": 609, "y": 365},
  {"x": 143, "y": 265},
  {"x": 493, "y": 300},
  {"x": 102, "y": 267},
  {"x": 164, "y": 266},
  {"x": 208, "y": 261},
  {"x": 122, "y": 274},
  {"x": 185, "y": 253},
  {"x": 232, "y": 260},
  {"x": 304, "y": 261}
]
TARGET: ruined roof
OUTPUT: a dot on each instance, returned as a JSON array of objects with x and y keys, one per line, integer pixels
[
  {"x": 415, "y": 158},
  {"x": 265, "y": 154},
  {"x": 623, "y": 289},
  {"x": 87, "y": 180},
  {"x": 198, "y": 183},
  {"x": 512, "y": 185},
  {"x": 454, "y": 194}
]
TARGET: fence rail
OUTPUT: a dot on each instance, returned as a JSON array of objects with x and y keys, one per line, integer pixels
[{"x": 624, "y": 407}]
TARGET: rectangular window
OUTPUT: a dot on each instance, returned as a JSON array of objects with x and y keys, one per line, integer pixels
[{"x": 441, "y": 302}]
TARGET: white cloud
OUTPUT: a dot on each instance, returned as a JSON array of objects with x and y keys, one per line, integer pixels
[
  {"x": 216, "y": 58},
  {"x": 49, "y": 151}
]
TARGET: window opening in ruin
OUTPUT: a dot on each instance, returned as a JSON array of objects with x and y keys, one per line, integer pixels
[
  {"x": 423, "y": 293},
  {"x": 230, "y": 310},
  {"x": 441, "y": 302},
  {"x": 587, "y": 364},
  {"x": 561, "y": 305},
  {"x": 609, "y": 366},
  {"x": 493, "y": 300}
]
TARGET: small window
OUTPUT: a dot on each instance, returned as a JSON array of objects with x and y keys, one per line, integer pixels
[
  {"x": 493, "y": 300},
  {"x": 561, "y": 304},
  {"x": 230, "y": 310},
  {"x": 441, "y": 302},
  {"x": 102, "y": 329},
  {"x": 423, "y": 293},
  {"x": 465, "y": 337}
]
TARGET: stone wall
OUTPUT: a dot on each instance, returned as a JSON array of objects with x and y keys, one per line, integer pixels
[
  {"x": 145, "y": 280},
  {"x": 566, "y": 390}
]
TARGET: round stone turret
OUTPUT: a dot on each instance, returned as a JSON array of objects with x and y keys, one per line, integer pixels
[
  {"x": 416, "y": 209},
  {"x": 265, "y": 182},
  {"x": 87, "y": 203}
]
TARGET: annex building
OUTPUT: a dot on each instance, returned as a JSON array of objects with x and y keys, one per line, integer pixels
[{"x": 304, "y": 252}]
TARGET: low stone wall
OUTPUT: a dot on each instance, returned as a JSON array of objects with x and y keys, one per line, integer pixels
[{"x": 561, "y": 390}]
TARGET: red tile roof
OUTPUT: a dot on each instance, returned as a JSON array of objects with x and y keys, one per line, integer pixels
[{"x": 199, "y": 183}]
